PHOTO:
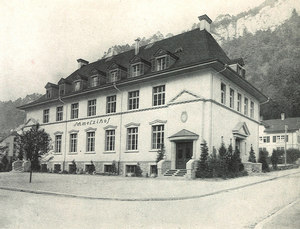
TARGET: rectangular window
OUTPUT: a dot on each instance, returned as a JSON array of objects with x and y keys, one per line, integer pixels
[
  {"x": 62, "y": 89},
  {"x": 159, "y": 95},
  {"x": 133, "y": 100},
  {"x": 252, "y": 109},
  {"x": 111, "y": 104},
  {"x": 74, "y": 110},
  {"x": 157, "y": 136},
  {"x": 92, "y": 107},
  {"x": 130, "y": 168},
  {"x": 94, "y": 81},
  {"x": 223, "y": 93},
  {"x": 239, "y": 103},
  {"x": 282, "y": 138},
  {"x": 132, "y": 138},
  {"x": 90, "y": 142},
  {"x": 45, "y": 115},
  {"x": 136, "y": 70},
  {"x": 266, "y": 139},
  {"x": 73, "y": 143},
  {"x": 110, "y": 140},
  {"x": 274, "y": 138},
  {"x": 231, "y": 98},
  {"x": 161, "y": 63},
  {"x": 245, "y": 106},
  {"x": 48, "y": 93},
  {"x": 261, "y": 139},
  {"x": 77, "y": 86},
  {"x": 113, "y": 76},
  {"x": 59, "y": 113},
  {"x": 58, "y": 144}
]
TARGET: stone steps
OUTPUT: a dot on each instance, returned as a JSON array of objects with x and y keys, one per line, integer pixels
[{"x": 175, "y": 173}]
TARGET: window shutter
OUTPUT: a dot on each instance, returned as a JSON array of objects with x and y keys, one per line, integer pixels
[
  {"x": 142, "y": 69},
  {"x": 167, "y": 61},
  {"x": 153, "y": 65}
]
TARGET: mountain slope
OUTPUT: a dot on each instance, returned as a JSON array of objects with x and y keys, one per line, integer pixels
[{"x": 10, "y": 116}]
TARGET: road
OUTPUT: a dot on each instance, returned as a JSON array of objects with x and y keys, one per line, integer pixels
[{"x": 241, "y": 208}]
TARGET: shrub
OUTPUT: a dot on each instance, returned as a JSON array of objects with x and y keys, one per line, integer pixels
[
  {"x": 263, "y": 159},
  {"x": 138, "y": 170},
  {"x": 160, "y": 153},
  {"x": 236, "y": 164},
  {"x": 292, "y": 155},
  {"x": 202, "y": 170},
  {"x": 114, "y": 167},
  {"x": 91, "y": 168},
  {"x": 252, "y": 157},
  {"x": 275, "y": 159},
  {"x": 73, "y": 168}
]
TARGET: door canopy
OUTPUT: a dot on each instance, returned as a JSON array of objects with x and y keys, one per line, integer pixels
[
  {"x": 241, "y": 130},
  {"x": 184, "y": 135}
]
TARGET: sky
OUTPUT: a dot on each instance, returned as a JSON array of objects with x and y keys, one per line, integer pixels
[{"x": 40, "y": 40}]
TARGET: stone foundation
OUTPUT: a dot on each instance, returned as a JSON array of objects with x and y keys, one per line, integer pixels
[{"x": 252, "y": 167}]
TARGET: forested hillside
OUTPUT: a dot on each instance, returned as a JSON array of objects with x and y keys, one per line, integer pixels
[
  {"x": 273, "y": 65},
  {"x": 10, "y": 116}
]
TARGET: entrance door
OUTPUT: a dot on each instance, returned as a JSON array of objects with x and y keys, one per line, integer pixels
[{"x": 184, "y": 152}]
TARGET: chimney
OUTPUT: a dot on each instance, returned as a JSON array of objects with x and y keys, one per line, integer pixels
[
  {"x": 137, "y": 45},
  {"x": 205, "y": 22},
  {"x": 81, "y": 63},
  {"x": 282, "y": 116}
]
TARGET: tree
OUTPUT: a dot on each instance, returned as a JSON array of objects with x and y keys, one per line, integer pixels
[
  {"x": 263, "y": 159},
  {"x": 202, "y": 170},
  {"x": 33, "y": 144},
  {"x": 275, "y": 159},
  {"x": 252, "y": 157}
]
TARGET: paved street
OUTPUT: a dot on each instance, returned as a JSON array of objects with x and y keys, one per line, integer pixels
[{"x": 241, "y": 208}]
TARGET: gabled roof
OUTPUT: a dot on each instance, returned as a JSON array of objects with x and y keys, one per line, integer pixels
[
  {"x": 137, "y": 59},
  {"x": 63, "y": 80},
  {"x": 198, "y": 47},
  {"x": 49, "y": 85},
  {"x": 278, "y": 125},
  {"x": 241, "y": 130},
  {"x": 186, "y": 134}
]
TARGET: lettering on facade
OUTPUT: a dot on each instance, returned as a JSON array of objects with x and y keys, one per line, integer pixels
[{"x": 93, "y": 122}]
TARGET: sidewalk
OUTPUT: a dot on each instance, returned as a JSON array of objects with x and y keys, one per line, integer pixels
[
  {"x": 129, "y": 188},
  {"x": 287, "y": 217}
]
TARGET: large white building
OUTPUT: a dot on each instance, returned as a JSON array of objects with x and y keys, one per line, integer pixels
[
  {"x": 272, "y": 134},
  {"x": 175, "y": 92}
]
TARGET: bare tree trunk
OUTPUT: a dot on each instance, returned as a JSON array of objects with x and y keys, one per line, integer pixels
[{"x": 30, "y": 177}]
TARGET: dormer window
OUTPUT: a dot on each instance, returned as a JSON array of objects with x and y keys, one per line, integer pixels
[
  {"x": 62, "y": 89},
  {"x": 48, "y": 93},
  {"x": 77, "y": 85},
  {"x": 137, "y": 69},
  {"x": 94, "y": 81},
  {"x": 113, "y": 76},
  {"x": 162, "y": 63},
  {"x": 162, "y": 60}
]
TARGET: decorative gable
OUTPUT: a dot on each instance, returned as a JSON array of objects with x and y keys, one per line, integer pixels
[
  {"x": 184, "y": 96},
  {"x": 241, "y": 130}
]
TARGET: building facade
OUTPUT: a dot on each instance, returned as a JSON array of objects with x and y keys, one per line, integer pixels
[
  {"x": 173, "y": 93},
  {"x": 272, "y": 134}
]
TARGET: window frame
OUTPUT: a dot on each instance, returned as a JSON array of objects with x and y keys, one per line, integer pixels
[
  {"x": 231, "y": 98},
  {"x": 246, "y": 106},
  {"x": 159, "y": 93},
  {"x": 91, "y": 107},
  {"x": 77, "y": 82},
  {"x": 93, "y": 82},
  {"x": 251, "y": 109},
  {"x": 223, "y": 93},
  {"x": 110, "y": 140},
  {"x": 133, "y": 100},
  {"x": 158, "y": 136},
  {"x": 58, "y": 143},
  {"x": 59, "y": 113},
  {"x": 73, "y": 142},
  {"x": 239, "y": 103},
  {"x": 132, "y": 139},
  {"x": 74, "y": 111},
  {"x": 46, "y": 114},
  {"x": 111, "y": 104},
  {"x": 90, "y": 141}
]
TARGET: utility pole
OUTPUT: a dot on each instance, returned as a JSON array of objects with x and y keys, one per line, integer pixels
[{"x": 285, "y": 137}]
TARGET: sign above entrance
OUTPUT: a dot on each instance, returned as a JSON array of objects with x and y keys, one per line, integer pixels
[{"x": 93, "y": 122}]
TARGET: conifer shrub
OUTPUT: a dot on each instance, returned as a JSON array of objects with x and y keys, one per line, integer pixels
[
  {"x": 263, "y": 159},
  {"x": 252, "y": 157},
  {"x": 203, "y": 170},
  {"x": 73, "y": 168},
  {"x": 138, "y": 170}
]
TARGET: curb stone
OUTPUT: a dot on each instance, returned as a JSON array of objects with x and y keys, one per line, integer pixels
[
  {"x": 274, "y": 214},
  {"x": 142, "y": 199}
]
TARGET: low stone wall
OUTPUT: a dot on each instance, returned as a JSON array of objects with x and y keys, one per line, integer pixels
[
  {"x": 162, "y": 167},
  {"x": 191, "y": 168},
  {"x": 252, "y": 167}
]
